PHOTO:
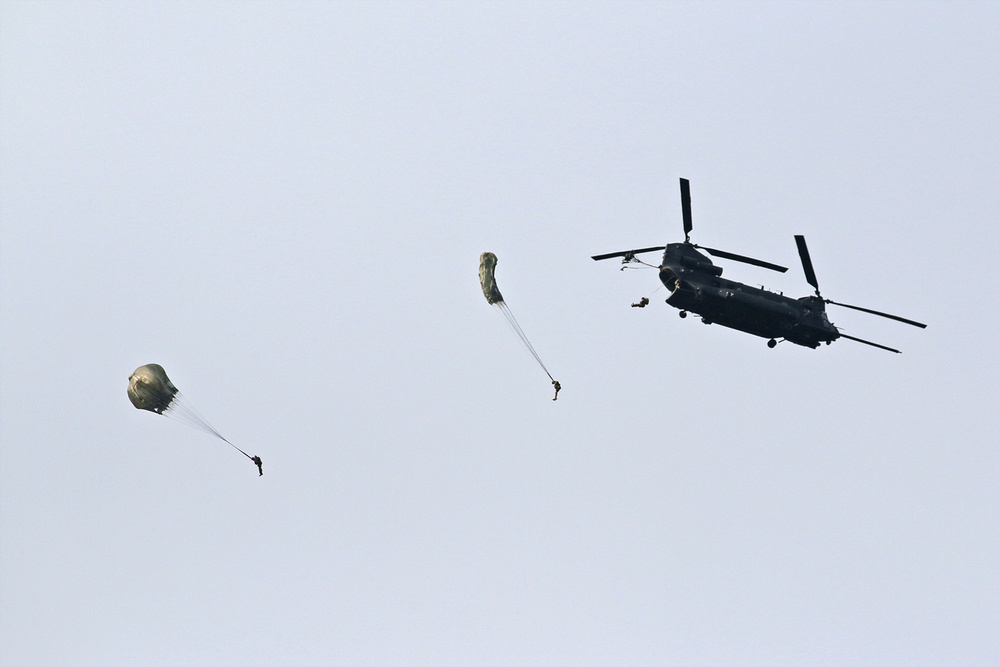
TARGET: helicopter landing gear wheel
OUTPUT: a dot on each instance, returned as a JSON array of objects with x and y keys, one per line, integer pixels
[
  {"x": 683, "y": 314},
  {"x": 771, "y": 343}
]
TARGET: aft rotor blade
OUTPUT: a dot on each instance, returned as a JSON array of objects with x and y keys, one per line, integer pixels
[
  {"x": 686, "y": 207},
  {"x": 868, "y": 342},
  {"x": 807, "y": 264},
  {"x": 626, "y": 253},
  {"x": 741, "y": 258},
  {"x": 879, "y": 313}
]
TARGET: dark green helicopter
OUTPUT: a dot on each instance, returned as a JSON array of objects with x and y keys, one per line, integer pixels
[{"x": 697, "y": 285}]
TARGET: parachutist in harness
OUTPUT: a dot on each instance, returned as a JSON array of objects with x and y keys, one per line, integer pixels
[
  {"x": 487, "y": 280},
  {"x": 150, "y": 389},
  {"x": 643, "y": 302}
]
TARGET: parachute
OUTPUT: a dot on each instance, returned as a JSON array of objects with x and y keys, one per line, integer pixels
[
  {"x": 487, "y": 268},
  {"x": 487, "y": 279},
  {"x": 149, "y": 388}
]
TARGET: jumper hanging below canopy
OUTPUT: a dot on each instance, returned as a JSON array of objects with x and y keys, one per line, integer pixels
[
  {"x": 487, "y": 280},
  {"x": 149, "y": 388}
]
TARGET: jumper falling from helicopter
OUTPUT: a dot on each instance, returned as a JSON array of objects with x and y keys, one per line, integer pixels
[{"x": 696, "y": 285}]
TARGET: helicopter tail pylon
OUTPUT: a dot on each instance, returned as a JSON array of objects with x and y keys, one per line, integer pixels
[{"x": 807, "y": 268}]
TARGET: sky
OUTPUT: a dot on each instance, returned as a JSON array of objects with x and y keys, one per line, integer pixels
[{"x": 284, "y": 205}]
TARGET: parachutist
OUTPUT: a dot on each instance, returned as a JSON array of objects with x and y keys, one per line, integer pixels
[
  {"x": 555, "y": 383},
  {"x": 149, "y": 388},
  {"x": 487, "y": 280},
  {"x": 643, "y": 302}
]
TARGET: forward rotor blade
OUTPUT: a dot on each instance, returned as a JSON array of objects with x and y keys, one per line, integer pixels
[
  {"x": 741, "y": 258},
  {"x": 879, "y": 313},
  {"x": 807, "y": 264},
  {"x": 627, "y": 253},
  {"x": 686, "y": 207},
  {"x": 868, "y": 342}
]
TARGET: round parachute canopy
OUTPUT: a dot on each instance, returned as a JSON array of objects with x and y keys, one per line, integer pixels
[{"x": 149, "y": 388}]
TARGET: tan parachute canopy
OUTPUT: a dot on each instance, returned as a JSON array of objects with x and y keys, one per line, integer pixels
[
  {"x": 149, "y": 388},
  {"x": 487, "y": 280},
  {"x": 487, "y": 267}
]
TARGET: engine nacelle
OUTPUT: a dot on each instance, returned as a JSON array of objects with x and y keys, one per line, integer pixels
[{"x": 698, "y": 265}]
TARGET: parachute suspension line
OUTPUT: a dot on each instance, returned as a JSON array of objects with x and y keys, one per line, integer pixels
[
  {"x": 636, "y": 260},
  {"x": 512, "y": 321},
  {"x": 182, "y": 412}
]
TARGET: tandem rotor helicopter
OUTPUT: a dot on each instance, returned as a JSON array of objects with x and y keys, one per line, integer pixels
[{"x": 696, "y": 285}]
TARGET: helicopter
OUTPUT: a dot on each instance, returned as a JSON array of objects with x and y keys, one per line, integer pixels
[{"x": 696, "y": 285}]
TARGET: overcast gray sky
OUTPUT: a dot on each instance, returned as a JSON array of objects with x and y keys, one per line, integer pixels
[{"x": 284, "y": 205}]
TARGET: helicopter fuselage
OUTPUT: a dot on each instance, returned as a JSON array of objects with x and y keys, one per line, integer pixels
[{"x": 696, "y": 285}]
